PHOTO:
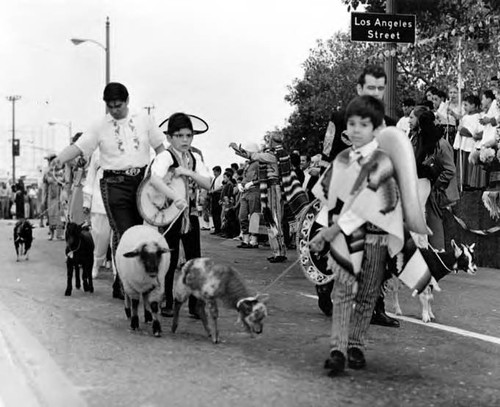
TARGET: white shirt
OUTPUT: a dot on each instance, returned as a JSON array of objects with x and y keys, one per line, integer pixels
[
  {"x": 162, "y": 165},
  {"x": 490, "y": 132},
  {"x": 123, "y": 143}
]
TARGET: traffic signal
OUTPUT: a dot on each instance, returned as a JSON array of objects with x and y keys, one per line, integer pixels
[{"x": 16, "y": 147}]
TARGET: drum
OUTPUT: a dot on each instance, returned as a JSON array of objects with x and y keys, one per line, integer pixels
[
  {"x": 154, "y": 207},
  {"x": 314, "y": 265}
]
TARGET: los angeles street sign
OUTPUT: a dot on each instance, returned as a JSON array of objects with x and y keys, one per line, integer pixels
[{"x": 379, "y": 27}]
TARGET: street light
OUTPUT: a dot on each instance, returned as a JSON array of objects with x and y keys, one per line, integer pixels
[
  {"x": 68, "y": 125},
  {"x": 78, "y": 41}
]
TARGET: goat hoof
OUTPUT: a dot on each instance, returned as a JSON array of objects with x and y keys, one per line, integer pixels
[
  {"x": 174, "y": 328},
  {"x": 134, "y": 322},
  {"x": 148, "y": 317},
  {"x": 156, "y": 329},
  {"x": 77, "y": 286},
  {"x": 128, "y": 313},
  {"x": 67, "y": 293}
]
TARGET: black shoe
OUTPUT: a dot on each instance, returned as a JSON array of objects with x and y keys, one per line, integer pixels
[
  {"x": 355, "y": 358},
  {"x": 277, "y": 259},
  {"x": 243, "y": 245},
  {"x": 382, "y": 319},
  {"x": 335, "y": 363},
  {"x": 194, "y": 315}
]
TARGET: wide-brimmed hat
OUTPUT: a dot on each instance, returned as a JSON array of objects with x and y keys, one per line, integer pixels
[{"x": 198, "y": 125}]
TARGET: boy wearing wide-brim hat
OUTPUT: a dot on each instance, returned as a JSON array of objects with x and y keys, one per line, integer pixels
[{"x": 178, "y": 172}]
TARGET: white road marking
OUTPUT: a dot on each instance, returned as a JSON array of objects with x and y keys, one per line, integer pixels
[{"x": 452, "y": 329}]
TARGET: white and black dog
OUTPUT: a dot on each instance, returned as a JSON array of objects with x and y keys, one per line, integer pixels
[
  {"x": 460, "y": 257},
  {"x": 23, "y": 238}
]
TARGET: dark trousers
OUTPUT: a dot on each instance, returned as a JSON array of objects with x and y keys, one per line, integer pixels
[
  {"x": 119, "y": 197},
  {"x": 216, "y": 210},
  {"x": 192, "y": 249}
]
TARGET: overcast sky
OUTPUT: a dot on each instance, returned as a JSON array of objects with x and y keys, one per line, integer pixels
[{"x": 227, "y": 61}]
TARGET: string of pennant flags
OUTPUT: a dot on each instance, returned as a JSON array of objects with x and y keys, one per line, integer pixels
[{"x": 455, "y": 32}]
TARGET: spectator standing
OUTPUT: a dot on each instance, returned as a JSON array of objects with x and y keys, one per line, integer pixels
[
  {"x": 249, "y": 213},
  {"x": 214, "y": 194},
  {"x": 4, "y": 201},
  {"x": 470, "y": 132}
]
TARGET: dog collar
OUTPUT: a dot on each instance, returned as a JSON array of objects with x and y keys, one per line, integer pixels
[{"x": 245, "y": 299}]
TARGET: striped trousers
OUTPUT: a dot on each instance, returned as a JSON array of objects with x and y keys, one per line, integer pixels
[
  {"x": 275, "y": 234},
  {"x": 352, "y": 312}
]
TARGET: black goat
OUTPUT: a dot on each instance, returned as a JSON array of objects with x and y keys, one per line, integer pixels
[
  {"x": 79, "y": 252},
  {"x": 23, "y": 238}
]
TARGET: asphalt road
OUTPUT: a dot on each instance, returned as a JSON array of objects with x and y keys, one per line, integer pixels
[{"x": 79, "y": 351}]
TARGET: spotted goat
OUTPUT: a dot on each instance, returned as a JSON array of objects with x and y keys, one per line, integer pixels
[
  {"x": 459, "y": 258},
  {"x": 210, "y": 282}
]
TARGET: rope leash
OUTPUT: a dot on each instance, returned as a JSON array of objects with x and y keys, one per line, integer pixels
[{"x": 286, "y": 271}]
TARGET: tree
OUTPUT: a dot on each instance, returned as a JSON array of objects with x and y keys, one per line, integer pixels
[{"x": 330, "y": 74}]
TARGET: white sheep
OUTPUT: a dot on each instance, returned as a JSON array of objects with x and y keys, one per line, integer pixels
[{"x": 142, "y": 260}]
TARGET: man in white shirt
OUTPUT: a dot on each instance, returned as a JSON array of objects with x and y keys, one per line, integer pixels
[{"x": 124, "y": 139}]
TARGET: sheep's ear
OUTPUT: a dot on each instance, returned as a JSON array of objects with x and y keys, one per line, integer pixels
[
  {"x": 165, "y": 250},
  {"x": 133, "y": 253},
  {"x": 262, "y": 297}
]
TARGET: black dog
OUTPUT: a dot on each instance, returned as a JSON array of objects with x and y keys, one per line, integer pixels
[
  {"x": 79, "y": 252},
  {"x": 23, "y": 238}
]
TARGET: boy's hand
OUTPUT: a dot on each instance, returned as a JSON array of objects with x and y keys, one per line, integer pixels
[
  {"x": 182, "y": 171},
  {"x": 325, "y": 235},
  {"x": 234, "y": 146}
]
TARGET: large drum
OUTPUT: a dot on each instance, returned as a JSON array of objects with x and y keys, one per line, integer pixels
[
  {"x": 154, "y": 207},
  {"x": 314, "y": 265}
]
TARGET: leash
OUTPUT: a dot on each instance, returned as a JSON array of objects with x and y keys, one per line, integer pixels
[
  {"x": 286, "y": 271},
  {"x": 441, "y": 260}
]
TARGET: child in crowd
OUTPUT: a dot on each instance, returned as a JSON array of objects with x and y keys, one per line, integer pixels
[
  {"x": 365, "y": 225},
  {"x": 470, "y": 132}
]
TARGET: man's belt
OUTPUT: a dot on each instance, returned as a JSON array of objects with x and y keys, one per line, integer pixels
[{"x": 130, "y": 172}]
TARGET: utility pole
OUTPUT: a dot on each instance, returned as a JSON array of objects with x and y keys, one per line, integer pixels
[
  {"x": 13, "y": 99},
  {"x": 390, "y": 69}
]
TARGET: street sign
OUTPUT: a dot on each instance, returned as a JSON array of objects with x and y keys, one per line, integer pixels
[{"x": 379, "y": 27}]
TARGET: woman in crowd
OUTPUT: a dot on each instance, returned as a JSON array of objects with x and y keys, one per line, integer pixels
[{"x": 434, "y": 159}]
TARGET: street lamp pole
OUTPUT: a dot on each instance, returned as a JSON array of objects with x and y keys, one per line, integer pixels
[
  {"x": 13, "y": 99},
  {"x": 106, "y": 48}
]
